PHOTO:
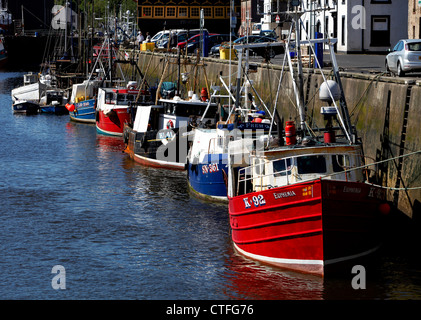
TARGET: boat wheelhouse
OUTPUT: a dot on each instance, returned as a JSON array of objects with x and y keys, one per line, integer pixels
[{"x": 114, "y": 108}]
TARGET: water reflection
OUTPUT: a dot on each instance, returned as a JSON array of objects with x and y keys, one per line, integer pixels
[{"x": 247, "y": 279}]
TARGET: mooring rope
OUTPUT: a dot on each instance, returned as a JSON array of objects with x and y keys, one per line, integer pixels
[{"x": 382, "y": 161}]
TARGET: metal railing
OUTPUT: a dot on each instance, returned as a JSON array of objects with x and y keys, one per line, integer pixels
[{"x": 249, "y": 173}]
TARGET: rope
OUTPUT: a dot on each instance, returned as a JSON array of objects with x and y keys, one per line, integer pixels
[{"x": 382, "y": 161}]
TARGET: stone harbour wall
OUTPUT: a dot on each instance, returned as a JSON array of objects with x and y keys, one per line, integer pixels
[{"x": 385, "y": 111}]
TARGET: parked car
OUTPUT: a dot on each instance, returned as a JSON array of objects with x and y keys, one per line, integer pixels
[
  {"x": 179, "y": 36},
  {"x": 404, "y": 57},
  {"x": 192, "y": 40},
  {"x": 163, "y": 35},
  {"x": 158, "y": 36},
  {"x": 270, "y": 52},
  {"x": 214, "y": 39},
  {"x": 268, "y": 33}
]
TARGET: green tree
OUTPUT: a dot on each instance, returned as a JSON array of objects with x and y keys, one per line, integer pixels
[{"x": 101, "y": 6}]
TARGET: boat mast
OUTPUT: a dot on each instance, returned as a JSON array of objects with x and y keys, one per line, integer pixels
[{"x": 300, "y": 78}]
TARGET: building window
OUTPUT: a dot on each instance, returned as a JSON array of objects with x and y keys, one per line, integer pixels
[
  {"x": 219, "y": 12},
  {"x": 207, "y": 11},
  {"x": 419, "y": 29},
  {"x": 147, "y": 12},
  {"x": 380, "y": 31},
  {"x": 195, "y": 12},
  {"x": 159, "y": 12},
  {"x": 171, "y": 12},
  {"x": 343, "y": 31},
  {"x": 183, "y": 12}
]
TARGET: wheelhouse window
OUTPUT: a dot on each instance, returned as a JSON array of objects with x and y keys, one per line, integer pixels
[
  {"x": 282, "y": 167},
  {"x": 109, "y": 96},
  {"x": 311, "y": 164},
  {"x": 339, "y": 162},
  {"x": 192, "y": 110}
]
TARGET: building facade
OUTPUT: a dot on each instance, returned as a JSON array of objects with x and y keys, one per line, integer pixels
[
  {"x": 321, "y": 18},
  {"x": 414, "y": 19},
  {"x": 371, "y": 25},
  {"x": 157, "y": 15}
]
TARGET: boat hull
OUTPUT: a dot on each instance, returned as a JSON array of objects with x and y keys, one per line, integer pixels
[
  {"x": 145, "y": 149},
  {"x": 112, "y": 124},
  {"x": 26, "y": 107},
  {"x": 59, "y": 109},
  {"x": 84, "y": 111},
  {"x": 209, "y": 179},
  {"x": 308, "y": 227}
]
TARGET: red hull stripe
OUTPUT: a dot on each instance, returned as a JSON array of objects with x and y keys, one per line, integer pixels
[
  {"x": 280, "y": 221},
  {"x": 280, "y": 237}
]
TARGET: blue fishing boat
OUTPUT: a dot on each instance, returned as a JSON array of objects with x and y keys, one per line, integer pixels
[
  {"x": 82, "y": 102},
  {"x": 207, "y": 165},
  {"x": 208, "y": 156}
]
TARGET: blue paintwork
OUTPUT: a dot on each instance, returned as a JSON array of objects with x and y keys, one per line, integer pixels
[
  {"x": 84, "y": 111},
  {"x": 59, "y": 109},
  {"x": 207, "y": 178}
]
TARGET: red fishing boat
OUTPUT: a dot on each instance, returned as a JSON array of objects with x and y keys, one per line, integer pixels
[
  {"x": 303, "y": 201},
  {"x": 114, "y": 109}
]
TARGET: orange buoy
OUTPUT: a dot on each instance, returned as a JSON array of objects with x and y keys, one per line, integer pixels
[{"x": 70, "y": 107}]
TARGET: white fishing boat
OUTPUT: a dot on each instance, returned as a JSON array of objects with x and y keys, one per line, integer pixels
[{"x": 33, "y": 88}]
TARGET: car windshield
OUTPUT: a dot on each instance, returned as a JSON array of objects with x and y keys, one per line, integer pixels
[{"x": 414, "y": 46}]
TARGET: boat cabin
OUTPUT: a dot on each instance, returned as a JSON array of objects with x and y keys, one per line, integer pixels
[
  {"x": 115, "y": 98},
  {"x": 175, "y": 113},
  {"x": 286, "y": 166},
  {"x": 54, "y": 96}
]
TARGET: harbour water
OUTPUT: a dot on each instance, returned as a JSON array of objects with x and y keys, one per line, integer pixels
[{"x": 70, "y": 197}]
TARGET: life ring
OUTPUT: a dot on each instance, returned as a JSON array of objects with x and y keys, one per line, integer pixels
[{"x": 170, "y": 124}]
